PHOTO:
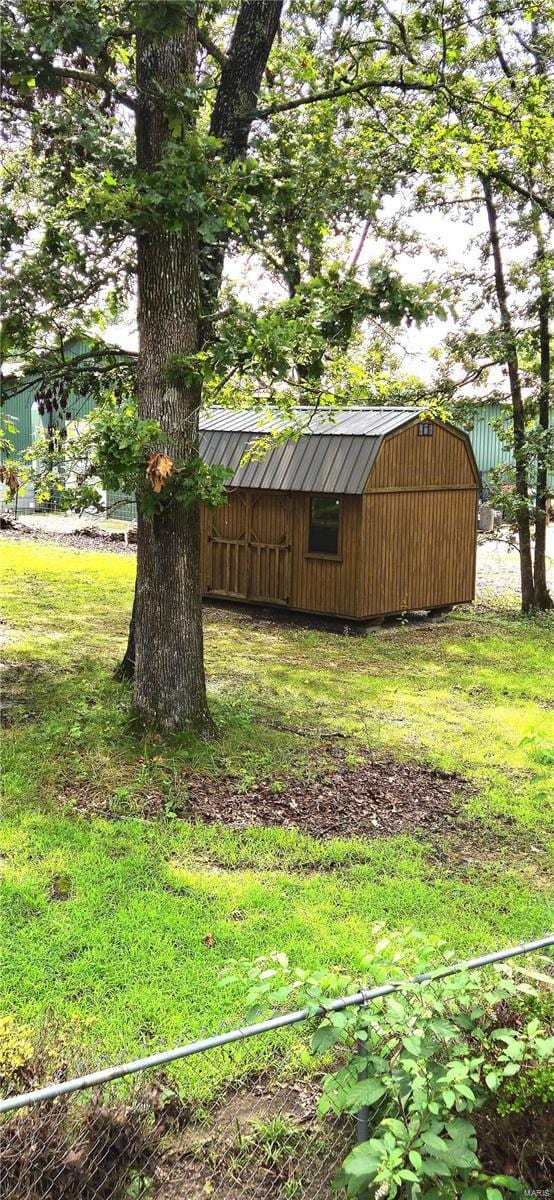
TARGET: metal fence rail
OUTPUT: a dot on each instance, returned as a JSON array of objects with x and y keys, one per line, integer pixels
[
  {"x": 260, "y": 1139},
  {"x": 97, "y": 1078}
]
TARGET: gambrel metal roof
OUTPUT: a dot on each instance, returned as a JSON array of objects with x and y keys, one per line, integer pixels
[{"x": 334, "y": 451}]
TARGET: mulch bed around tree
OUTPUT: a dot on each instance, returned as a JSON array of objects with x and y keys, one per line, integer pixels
[{"x": 374, "y": 799}]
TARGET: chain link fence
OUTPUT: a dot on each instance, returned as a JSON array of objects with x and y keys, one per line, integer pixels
[
  {"x": 24, "y": 503},
  {"x": 155, "y": 1130},
  {"x": 261, "y": 1140},
  {"x": 153, "y": 1137}
]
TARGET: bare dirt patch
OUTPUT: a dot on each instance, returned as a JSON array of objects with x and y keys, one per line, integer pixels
[
  {"x": 519, "y": 1144},
  {"x": 373, "y": 799},
  {"x": 263, "y": 1141},
  {"x": 370, "y": 799}
]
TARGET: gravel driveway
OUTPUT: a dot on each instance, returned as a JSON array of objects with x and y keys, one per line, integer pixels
[{"x": 498, "y": 567}]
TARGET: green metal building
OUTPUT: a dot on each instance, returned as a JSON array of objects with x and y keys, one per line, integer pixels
[
  {"x": 488, "y": 447},
  {"x": 22, "y": 409}
]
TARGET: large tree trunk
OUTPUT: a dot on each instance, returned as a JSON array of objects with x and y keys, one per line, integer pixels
[
  {"x": 518, "y": 415},
  {"x": 543, "y": 598},
  {"x": 169, "y": 684},
  {"x": 242, "y": 73}
]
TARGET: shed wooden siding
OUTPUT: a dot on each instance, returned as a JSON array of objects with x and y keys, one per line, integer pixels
[
  {"x": 407, "y": 543},
  {"x": 419, "y": 524},
  {"x": 320, "y": 583},
  {"x": 418, "y": 550},
  {"x": 408, "y": 460},
  {"x": 255, "y": 547}
]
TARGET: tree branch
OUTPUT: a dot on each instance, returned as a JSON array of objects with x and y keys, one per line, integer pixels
[
  {"x": 401, "y": 84},
  {"x": 69, "y": 367},
  {"x": 360, "y": 246},
  {"x": 376, "y": 85},
  {"x": 241, "y": 76},
  {"x": 99, "y": 81},
  {"x": 527, "y": 192},
  {"x": 210, "y": 46}
]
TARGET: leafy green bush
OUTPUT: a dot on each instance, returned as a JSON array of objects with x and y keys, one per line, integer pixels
[
  {"x": 530, "y": 1091},
  {"x": 115, "y": 450},
  {"x": 421, "y": 1061}
]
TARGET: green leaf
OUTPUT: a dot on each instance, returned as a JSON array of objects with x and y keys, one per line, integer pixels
[
  {"x": 461, "y": 1131},
  {"x": 433, "y": 1142},
  {"x": 507, "y": 1181},
  {"x": 368, "y": 1091},
  {"x": 464, "y": 1090},
  {"x": 457, "y": 1071},
  {"x": 324, "y": 1038},
  {"x": 435, "y": 1166},
  {"x": 413, "y": 1045},
  {"x": 443, "y": 1028},
  {"x": 462, "y": 1157},
  {"x": 364, "y": 1160}
]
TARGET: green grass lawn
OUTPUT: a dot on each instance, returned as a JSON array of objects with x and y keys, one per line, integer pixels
[{"x": 107, "y": 915}]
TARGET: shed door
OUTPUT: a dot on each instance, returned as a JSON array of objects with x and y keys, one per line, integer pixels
[
  {"x": 228, "y": 547},
  {"x": 269, "y": 548},
  {"x": 249, "y": 548}
]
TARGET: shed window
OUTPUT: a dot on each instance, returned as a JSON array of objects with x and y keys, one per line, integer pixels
[
  {"x": 323, "y": 537},
  {"x": 425, "y": 429}
]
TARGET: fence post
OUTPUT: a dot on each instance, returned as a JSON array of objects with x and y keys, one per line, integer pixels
[{"x": 362, "y": 1117}]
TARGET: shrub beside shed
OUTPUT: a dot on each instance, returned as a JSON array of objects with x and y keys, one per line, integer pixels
[{"x": 369, "y": 512}]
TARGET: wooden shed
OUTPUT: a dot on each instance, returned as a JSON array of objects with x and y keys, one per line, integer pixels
[{"x": 367, "y": 512}]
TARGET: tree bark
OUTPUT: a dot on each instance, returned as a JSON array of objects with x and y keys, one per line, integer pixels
[
  {"x": 169, "y": 682},
  {"x": 510, "y": 355},
  {"x": 543, "y": 598},
  {"x": 231, "y": 121}
]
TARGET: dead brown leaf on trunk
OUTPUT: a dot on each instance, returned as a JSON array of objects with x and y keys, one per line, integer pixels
[{"x": 160, "y": 467}]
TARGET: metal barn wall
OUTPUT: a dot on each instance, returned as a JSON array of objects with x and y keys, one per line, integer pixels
[
  {"x": 487, "y": 446},
  {"x": 19, "y": 411}
]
